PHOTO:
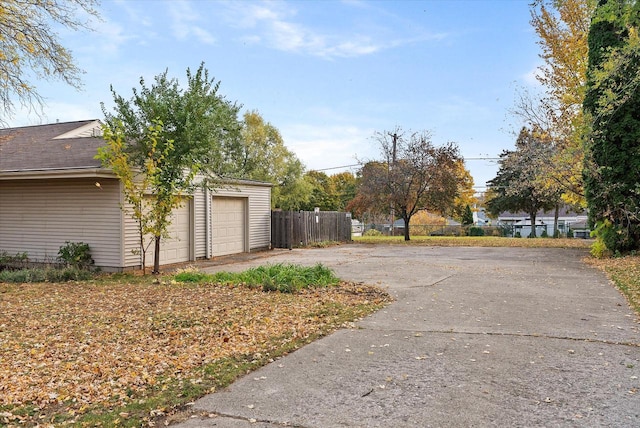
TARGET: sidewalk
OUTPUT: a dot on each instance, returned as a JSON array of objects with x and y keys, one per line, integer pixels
[{"x": 477, "y": 337}]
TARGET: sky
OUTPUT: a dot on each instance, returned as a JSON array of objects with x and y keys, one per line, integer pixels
[{"x": 327, "y": 74}]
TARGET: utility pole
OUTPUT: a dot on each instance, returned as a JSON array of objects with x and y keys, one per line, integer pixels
[{"x": 394, "y": 136}]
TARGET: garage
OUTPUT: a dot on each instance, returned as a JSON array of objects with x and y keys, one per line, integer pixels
[
  {"x": 228, "y": 225},
  {"x": 175, "y": 248}
]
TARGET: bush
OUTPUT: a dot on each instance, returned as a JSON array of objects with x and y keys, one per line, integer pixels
[
  {"x": 517, "y": 235},
  {"x": 476, "y": 231},
  {"x": 544, "y": 234},
  {"x": 19, "y": 261},
  {"x": 372, "y": 232},
  {"x": 75, "y": 254}
]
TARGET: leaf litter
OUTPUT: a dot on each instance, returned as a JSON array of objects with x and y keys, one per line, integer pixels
[{"x": 74, "y": 348}]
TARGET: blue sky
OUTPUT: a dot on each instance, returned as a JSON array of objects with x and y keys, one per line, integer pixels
[{"x": 327, "y": 74}]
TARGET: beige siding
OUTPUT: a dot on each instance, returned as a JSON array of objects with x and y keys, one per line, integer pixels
[
  {"x": 131, "y": 253},
  {"x": 38, "y": 216}
]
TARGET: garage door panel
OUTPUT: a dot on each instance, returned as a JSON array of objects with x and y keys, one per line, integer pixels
[{"x": 228, "y": 226}]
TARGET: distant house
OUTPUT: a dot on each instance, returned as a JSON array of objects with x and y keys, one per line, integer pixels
[
  {"x": 567, "y": 220},
  {"x": 52, "y": 190}
]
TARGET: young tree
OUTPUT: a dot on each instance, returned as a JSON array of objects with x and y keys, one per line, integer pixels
[
  {"x": 612, "y": 103},
  {"x": 29, "y": 46},
  {"x": 200, "y": 135},
  {"x": 146, "y": 202},
  {"x": 414, "y": 175},
  {"x": 517, "y": 185},
  {"x": 264, "y": 157}
]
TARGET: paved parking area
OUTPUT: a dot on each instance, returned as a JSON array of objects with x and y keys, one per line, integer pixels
[{"x": 477, "y": 337}]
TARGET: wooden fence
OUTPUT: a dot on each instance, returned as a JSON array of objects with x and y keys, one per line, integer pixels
[{"x": 300, "y": 228}]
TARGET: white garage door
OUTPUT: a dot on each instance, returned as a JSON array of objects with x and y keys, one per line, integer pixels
[
  {"x": 228, "y": 224},
  {"x": 175, "y": 248}
]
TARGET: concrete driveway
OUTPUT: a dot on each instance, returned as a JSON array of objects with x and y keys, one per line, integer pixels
[{"x": 477, "y": 337}]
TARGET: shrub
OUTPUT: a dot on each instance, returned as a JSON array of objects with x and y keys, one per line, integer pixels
[
  {"x": 7, "y": 261},
  {"x": 372, "y": 232},
  {"x": 476, "y": 231},
  {"x": 75, "y": 254},
  {"x": 517, "y": 235},
  {"x": 544, "y": 234}
]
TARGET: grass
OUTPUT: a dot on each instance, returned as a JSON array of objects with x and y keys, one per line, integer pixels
[
  {"x": 125, "y": 350},
  {"x": 476, "y": 241},
  {"x": 624, "y": 272}
]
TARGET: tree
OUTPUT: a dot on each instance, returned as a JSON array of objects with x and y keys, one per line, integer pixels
[
  {"x": 200, "y": 136},
  {"x": 264, "y": 157},
  {"x": 30, "y": 47},
  {"x": 345, "y": 186},
  {"x": 612, "y": 103},
  {"x": 517, "y": 186},
  {"x": 466, "y": 193},
  {"x": 467, "y": 217},
  {"x": 145, "y": 200},
  {"x": 414, "y": 175},
  {"x": 562, "y": 27},
  {"x": 323, "y": 194}
]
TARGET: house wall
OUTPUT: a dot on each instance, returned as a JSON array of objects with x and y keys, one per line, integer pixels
[{"x": 38, "y": 216}]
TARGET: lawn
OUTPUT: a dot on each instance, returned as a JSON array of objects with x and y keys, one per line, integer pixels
[
  {"x": 124, "y": 351},
  {"x": 477, "y": 241},
  {"x": 624, "y": 272}
]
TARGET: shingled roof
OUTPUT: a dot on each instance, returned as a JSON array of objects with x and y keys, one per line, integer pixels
[{"x": 56, "y": 146}]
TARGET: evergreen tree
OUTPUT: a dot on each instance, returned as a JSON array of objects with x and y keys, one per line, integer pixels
[
  {"x": 612, "y": 102},
  {"x": 467, "y": 216}
]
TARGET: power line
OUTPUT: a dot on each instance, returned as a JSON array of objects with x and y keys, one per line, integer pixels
[{"x": 361, "y": 163}]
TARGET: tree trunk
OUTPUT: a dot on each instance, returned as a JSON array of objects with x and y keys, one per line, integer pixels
[
  {"x": 143, "y": 250},
  {"x": 156, "y": 257},
  {"x": 406, "y": 227},
  {"x": 556, "y": 233},
  {"x": 533, "y": 226}
]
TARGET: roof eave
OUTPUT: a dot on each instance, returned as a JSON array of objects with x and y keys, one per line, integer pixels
[{"x": 57, "y": 173}]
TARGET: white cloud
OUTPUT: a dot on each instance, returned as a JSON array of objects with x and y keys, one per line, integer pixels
[
  {"x": 321, "y": 147},
  {"x": 278, "y": 26},
  {"x": 184, "y": 20}
]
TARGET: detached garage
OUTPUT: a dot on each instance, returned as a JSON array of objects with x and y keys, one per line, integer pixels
[{"x": 52, "y": 190}]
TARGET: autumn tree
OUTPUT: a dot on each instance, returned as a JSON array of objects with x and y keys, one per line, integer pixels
[
  {"x": 517, "y": 185},
  {"x": 562, "y": 27},
  {"x": 612, "y": 103},
  {"x": 413, "y": 175},
  {"x": 199, "y": 125},
  {"x": 265, "y": 157},
  {"x": 466, "y": 194},
  {"x": 30, "y": 48}
]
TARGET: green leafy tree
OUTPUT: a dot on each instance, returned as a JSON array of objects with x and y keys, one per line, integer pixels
[
  {"x": 29, "y": 47},
  {"x": 517, "y": 185},
  {"x": 344, "y": 184},
  {"x": 612, "y": 103},
  {"x": 414, "y": 175},
  {"x": 200, "y": 136},
  {"x": 265, "y": 157},
  {"x": 324, "y": 194}
]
